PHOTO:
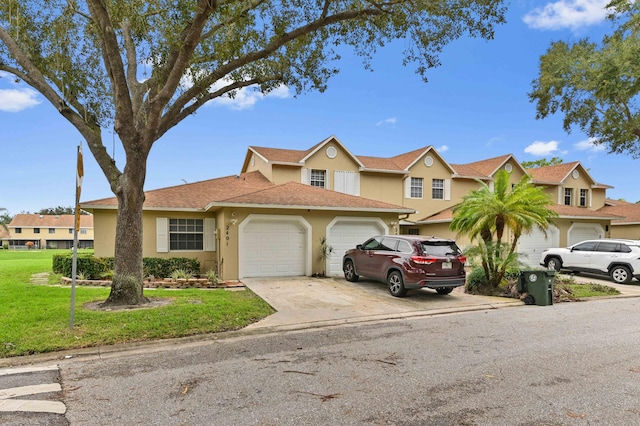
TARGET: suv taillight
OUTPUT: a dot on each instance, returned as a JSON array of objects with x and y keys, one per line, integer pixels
[
  {"x": 462, "y": 259},
  {"x": 423, "y": 260}
]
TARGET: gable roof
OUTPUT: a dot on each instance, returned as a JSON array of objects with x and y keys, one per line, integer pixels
[
  {"x": 484, "y": 169},
  {"x": 249, "y": 190},
  {"x": 557, "y": 174},
  {"x": 292, "y": 157},
  {"x": 24, "y": 220}
]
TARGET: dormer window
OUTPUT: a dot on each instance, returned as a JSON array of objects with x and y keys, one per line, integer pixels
[{"x": 584, "y": 194}]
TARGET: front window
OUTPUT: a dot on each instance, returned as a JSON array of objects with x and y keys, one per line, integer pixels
[
  {"x": 83, "y": 231},
  {"x": 416, "y": 187},
  {"x": 71, "y": 230},
  {"x": 18, "y": 230},
  {"x": 186, "y": 234},
  {"x": 52, "y": 230},
  {"x": 36, "y": 230},
  {"x": 568, "y": 195},
  {"x": 318, "y": 178},
  {"x": 583, "y": 197},
  {"x": 437, "y": 189}
]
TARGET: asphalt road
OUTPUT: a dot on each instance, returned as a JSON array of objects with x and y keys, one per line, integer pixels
[{"x": 566, "y": 364}]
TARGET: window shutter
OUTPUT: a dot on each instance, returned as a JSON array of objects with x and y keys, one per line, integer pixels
[
  {"x": 560, "y": 194},
  {"x": 162, "y": 234},
  {"x": 447, "y": 189},
  {"x": 326, "y": 180},
  {"x": 340, "y": 181},
  {"x": 407, "y": 187},
  {"x": 304, "y": 176},
  {"x": 209, "y": 234},
  {"x": 589, "y": 196},
  {"x": 356, "y": 184}
]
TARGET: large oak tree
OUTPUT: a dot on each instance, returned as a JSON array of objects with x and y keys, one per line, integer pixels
[
  {"x": 142, "y": 66},
  {"x": 596, "y": 85}
]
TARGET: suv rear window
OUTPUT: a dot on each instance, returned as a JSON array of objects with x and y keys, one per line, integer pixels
[{"x": 440, "y": 248}]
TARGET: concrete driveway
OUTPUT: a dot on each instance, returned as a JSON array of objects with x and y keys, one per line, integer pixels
[{"x": 308, "y": 302}]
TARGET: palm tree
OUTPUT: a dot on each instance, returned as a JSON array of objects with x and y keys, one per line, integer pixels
[{"x": 485, "y": 214}]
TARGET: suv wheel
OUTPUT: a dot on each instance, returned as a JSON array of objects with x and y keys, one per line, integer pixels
[
  {"x": 554, "y": 263},
  {"x": 350, "y": 271},
  {"x": 396, "y": 284},
  {"x": 621, "y": 274},
  {"x": 444, "y": 290}
]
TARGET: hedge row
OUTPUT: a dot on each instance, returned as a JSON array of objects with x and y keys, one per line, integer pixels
[{"x": 100, "y": 267}]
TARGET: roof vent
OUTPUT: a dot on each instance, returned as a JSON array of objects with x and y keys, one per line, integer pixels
[{"x": 41, "y": 216}]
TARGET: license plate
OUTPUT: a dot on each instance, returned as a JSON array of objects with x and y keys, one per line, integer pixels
[{"x": 446, "y": 265}]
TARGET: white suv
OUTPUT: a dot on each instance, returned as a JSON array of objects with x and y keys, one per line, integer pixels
[{"x": 619, "y": 259}]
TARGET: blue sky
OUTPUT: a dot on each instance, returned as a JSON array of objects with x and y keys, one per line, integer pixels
[{"x": 475, "y": 106}]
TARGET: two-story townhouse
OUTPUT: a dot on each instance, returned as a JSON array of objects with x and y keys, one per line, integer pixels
[
  {"x": 272, "y": 218},
  {"x": 49, "y": 231}
]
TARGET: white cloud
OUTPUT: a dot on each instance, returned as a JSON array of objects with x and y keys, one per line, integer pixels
[
  {"x": 247, "y": 97},
  {"x": 391, "y": 120},
  {"x": 589, "y": 145},
  {"x": 563, "y": 14},
  {"x": 15, "y": 100},
  {"x": 443, "y": 148},
  {"x": 542, "y": 148}
]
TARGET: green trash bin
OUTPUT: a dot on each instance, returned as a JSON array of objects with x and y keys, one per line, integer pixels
[{"x": 538, "y": 285}]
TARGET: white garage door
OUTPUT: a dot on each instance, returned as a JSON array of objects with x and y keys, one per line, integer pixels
[
  {"x": 272, "y": 248},
  {"x": 530, "y": 246},
  {"x": 584, "y": 231},
  {"x": 345, "y": 233}
]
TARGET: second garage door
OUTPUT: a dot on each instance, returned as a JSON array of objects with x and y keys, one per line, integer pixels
[
  {"x": 271, "y": 247},
  {"x": 531, "y": 246},
  {"x": 345, "y": 233}
]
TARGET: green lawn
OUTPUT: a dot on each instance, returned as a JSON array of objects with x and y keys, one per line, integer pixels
[{"x": 36, "y": 318}]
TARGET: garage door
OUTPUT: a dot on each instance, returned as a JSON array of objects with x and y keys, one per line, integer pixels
[
  {"x": 584, "y": 231},
  {"x": 271, "y": 247},
  {"x": 530, "y": 246},
  {"x": 345, "y": 233}
]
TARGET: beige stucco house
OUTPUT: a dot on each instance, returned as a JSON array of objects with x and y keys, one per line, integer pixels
[
  {"x": 627, "y": 225},
  {"x": 272, "y": 217},
  {"x": 49, "y": 231}
]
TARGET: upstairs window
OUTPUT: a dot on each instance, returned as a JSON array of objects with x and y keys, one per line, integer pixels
[
  {"x": 52, "y": 230},
  {"x": 36, "y": 230},
  {"x": 318, "y": 178},
  {"x": 568, "y": 196},
  {"x": 416, "y": 187},
  {"x": 584, "y": 194},
  {"x": 18, "y": 231},
  {"x": 437, "y": 189}
]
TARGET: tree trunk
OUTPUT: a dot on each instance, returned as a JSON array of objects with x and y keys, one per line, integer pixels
[{"x": 127, "y": 284}]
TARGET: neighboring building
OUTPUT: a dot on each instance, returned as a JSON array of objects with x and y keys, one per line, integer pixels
[
  {"x": 49, "y": 231},
  {"x": 628, "y": 224},
  {"x": 270, "y": 219}
]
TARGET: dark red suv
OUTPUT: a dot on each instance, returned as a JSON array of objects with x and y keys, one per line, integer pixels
[{"x": 407, "y": 262}]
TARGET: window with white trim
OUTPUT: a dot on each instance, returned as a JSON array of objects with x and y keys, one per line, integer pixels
[
  {"x": 52, "y": 230},
  {"x": 568, "y": 196},
  {"x": 318, "y": 178},
  {"x": 186, "y": 234},
  {"x": 417, "y": 185},
  {"x": 437, "y": 189},
  {"x": 584, "y": 194}
]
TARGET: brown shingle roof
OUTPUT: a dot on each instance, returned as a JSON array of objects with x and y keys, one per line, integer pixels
[
  {"x": 562, "y": 210},
  {"x": 195, "y": 195},
  {"x": 485, "y": 168},
  {"x": 49, "y": 221},
  {"x": 629, "y": 211},
  {"x": 294, "y": 194},
  {"x": 553, "y": 174},
  {"x": 249, "y": 189}
]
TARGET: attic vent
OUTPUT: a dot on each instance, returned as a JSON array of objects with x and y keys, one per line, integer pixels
[
  {"x": 508, "y": 167},
  {"x": 41, "y": 216},
  {"x": 575, "y": 174},
  {"x": 332, "y": 152},
  {"x": 428, "y": 161}
]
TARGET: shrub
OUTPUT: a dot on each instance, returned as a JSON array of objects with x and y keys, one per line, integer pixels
[
  {"x": 475, "y": 279},
  {"x": 102, "y": 267},
  {"x": 212, "y": 276},
  {"x": 181, "y": 273}
]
